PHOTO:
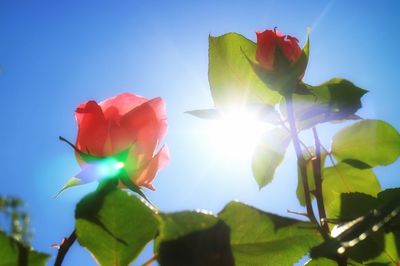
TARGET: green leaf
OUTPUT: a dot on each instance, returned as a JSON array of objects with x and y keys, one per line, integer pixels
[
  {"x": 349, "y": 206},
  {"x": 259, "y": 238},
  {"x": 308, "y": 156},
  {"x": 232, "y": 80},
  {"x": 381, "y": 247},
  {"x": 343, "y": 178},
  {"x": 13, "y": 252},
  {"x": 341, "y": 96},
  {"x": 193, "y": 238},
  {"x": 127, "y": 181},
  {"x": 373, "y": 142},
  {"x": 175, "y": 225},
  {"x": 72, "y": 182},
  {"x": 362, "y": 245},
  {"x": 261, "y": 112},
  {"x": 328, "y": 262},
  {"x": 391, "y": 252},
  {"x": 321, "y": 262},
  {"x": 114, "y": 226},
  {"x": 269, "y": 153},
  {"x": 336, "y": 99},
  {"x": 299, "y": 67},
  {"x": 211, "y": 114}
]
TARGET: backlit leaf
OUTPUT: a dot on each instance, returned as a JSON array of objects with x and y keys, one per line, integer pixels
[
  {"x": 343, "y": 178},
  {"x": 260, "y": 112},
  {"x": 259, "y": 238},
  {"x": 309, "y": 156},
  {"x": 336, "y": 99},
  {"x": 321, "y": 262},
  {"x": 232, "y": 79},
  {"x": 114, "y": 226},
  {"x": 373, "y": 142},
  {"x": 211, "y": 114},
  {"x": 269, "y": 153}
]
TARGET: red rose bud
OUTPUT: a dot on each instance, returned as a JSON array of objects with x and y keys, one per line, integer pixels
[
  {"x": 126, "y": 122},
  {"x": 270, "y": 43}
]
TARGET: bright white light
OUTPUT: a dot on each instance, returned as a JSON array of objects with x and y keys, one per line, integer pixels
[
  {"x": 235, "y": 136},
  {"x": 119, "y": 165}
]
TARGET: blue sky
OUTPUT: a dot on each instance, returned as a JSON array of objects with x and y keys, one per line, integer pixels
[{"x": 57, "y": 54}]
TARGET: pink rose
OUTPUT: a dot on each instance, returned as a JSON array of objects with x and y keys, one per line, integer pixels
[{"x": 126, "y": 122}]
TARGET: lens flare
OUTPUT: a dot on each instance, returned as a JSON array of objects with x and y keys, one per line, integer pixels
[{"x": 107, "y": 168}]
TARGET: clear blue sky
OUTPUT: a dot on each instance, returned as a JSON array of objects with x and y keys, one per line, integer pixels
[{"x": 57, "y": 54}]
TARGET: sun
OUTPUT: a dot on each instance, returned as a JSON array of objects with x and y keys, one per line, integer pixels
[{"x": 235, "y": 136}]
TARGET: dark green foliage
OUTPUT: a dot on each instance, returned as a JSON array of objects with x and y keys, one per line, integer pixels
[
  {"x": 239, "y": 235},
  {"x": 366, "y": 232},
  {"x": 260, "y": 238},
  {"x": 12, "y": 208},
  {"x": 13, "y": 252},
  {"x": 114, "y": 225}
]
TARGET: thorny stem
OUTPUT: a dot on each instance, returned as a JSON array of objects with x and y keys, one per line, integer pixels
[
  {"x": 342, "y": 260},
  {"x": 300, "y": 159},
  {"x": 64, "y": 247},
  {"x": 317, "y": 165},
  {"x": 301, "y": 163}
]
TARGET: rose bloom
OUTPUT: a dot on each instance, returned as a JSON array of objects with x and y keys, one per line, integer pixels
[
  {"x": 126, "y": 122},
  {"x": 270, "y": 40}
]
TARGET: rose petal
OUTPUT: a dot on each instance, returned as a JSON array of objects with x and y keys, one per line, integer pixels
[
  {"x": 265, "y": 53},
  {"x": 92, "y": 128},
  {"x": 156, "y": 163},
  {"x": 147, "y": 125},
  {"x": 290, "y": 47},
  {"x": 119, "y": 138},
  {"x": 114, "y": 108}
]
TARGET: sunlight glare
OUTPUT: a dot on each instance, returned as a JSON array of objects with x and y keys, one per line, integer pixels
[{"x": 235, "y": 136}]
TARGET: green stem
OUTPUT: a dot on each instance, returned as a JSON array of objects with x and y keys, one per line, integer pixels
[
  {"x": 317, "y": 169},
  {"x": 300, "y": 159}
]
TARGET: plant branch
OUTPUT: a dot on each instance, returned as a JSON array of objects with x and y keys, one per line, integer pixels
[
  {"x": 297, "y": 213},
  {"x": 342, "y": 261},
  {"x": 317, "y": 170},
  {"x": 151, "y": 260},
  {"x": 64, "y": 247},
  {"x": 301, "y": 162},
  {"x": 300, "y": 159}
]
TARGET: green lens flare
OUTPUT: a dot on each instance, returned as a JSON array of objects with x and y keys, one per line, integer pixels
[{"x": 109, "y": 167}]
